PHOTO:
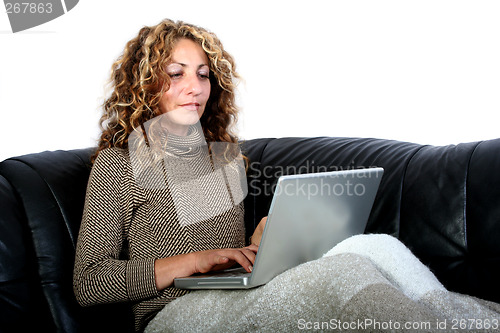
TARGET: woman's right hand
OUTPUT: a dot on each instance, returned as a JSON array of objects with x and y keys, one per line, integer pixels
[
  {"x": 213, "y": 260},
  {"x": 167, "y": 269}
]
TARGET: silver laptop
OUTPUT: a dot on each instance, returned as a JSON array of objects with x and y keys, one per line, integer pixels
[{"x": 309, "y": 214}]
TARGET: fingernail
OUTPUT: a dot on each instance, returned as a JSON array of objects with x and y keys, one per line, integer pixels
[{"x": 250, "y": 268}]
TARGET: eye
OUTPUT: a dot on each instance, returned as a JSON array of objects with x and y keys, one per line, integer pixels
[
  {"x": 204, "y": 75},
  {"x": 175, "y": 75}
]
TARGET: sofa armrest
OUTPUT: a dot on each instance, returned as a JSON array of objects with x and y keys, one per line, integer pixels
[{"x": 50, "y": 188}]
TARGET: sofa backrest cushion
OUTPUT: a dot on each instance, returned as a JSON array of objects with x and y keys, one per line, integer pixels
[
  {"x": 22, "y": 304},
  {"x": 300, "y": 155}
]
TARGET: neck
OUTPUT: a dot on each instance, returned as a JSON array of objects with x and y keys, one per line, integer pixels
[{"x": 175, "y": 129}]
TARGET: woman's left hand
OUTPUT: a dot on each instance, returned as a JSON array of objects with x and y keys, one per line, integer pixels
[{"x": 257, "y": 234}]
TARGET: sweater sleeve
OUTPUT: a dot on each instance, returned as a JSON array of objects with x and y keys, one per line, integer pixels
[{"x": 100, "y": 274}]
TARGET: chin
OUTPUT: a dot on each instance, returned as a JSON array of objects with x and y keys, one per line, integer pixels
[
  {"x": 182, "y": 118},
  {"x": 189, "y": 120}
]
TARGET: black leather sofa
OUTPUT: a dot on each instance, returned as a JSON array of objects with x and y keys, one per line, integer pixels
[{"x": 442, "y": 202}]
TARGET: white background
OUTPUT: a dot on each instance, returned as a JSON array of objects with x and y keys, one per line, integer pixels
[{"x": 420, "y": 71}]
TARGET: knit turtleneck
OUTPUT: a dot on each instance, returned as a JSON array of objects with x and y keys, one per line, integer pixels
[{"x": 191, "y": 144}]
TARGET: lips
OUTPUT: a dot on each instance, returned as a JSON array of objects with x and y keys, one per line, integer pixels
[{"x": 194, "y": 106}]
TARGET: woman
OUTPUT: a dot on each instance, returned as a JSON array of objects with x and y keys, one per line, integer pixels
[{"x": 132, "y": 241}]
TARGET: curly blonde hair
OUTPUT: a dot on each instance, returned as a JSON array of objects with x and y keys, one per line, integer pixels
[{"x": 139, "y": 80}]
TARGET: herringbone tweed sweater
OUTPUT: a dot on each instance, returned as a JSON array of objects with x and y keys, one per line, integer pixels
[{"x": 125, "y": 227}]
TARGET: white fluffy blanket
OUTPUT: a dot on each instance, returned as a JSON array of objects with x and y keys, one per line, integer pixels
[{"x": 368, "y": 283}]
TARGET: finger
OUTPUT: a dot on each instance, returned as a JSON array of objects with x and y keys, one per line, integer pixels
[
  {"x": 252, "y": 247},
  {"x": 208, "y": 260},
  {"x": 241, "y": 258},
  {"x": 249, "y": 253},
  {"x": 248, "y": 256}
]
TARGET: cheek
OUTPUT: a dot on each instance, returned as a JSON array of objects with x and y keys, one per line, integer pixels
[
  {"x": 168, "y": 100},
  {"x": 207, "y": 91}
]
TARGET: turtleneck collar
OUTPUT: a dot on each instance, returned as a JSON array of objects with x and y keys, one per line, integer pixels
[{"x": 193, "y": 142}]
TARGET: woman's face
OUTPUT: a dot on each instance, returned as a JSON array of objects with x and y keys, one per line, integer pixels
[{"x": 185, "y": 100}]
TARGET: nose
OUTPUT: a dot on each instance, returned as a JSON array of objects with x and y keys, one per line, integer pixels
[{"x": 193, "y": 85}]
